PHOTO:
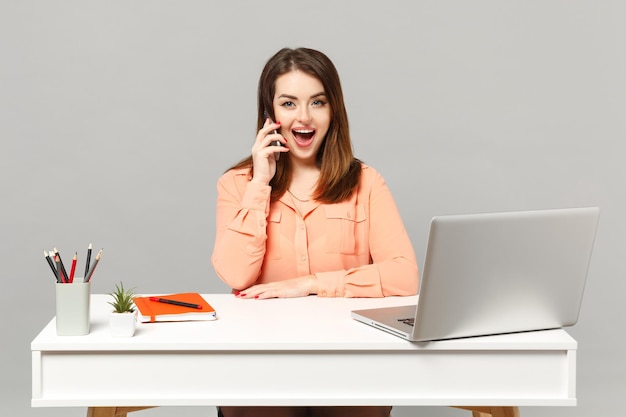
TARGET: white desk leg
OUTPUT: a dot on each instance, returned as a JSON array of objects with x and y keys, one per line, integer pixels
[
  {"x": 493, "y": 411},
  {"x": 112, "y": 411}
]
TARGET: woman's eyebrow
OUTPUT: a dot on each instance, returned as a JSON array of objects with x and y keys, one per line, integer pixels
[{"x": 290, "y": 97}]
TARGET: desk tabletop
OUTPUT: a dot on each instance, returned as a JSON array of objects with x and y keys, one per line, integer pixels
[
  {"x": 279, "y": 338},
  {"x": 308, "y": 323}
]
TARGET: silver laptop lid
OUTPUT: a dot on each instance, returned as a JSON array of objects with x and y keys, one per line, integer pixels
[{"x": 504, "y": 272}]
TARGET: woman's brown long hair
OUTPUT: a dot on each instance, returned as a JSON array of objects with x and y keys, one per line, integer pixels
[{"x": 339, "y": 169}]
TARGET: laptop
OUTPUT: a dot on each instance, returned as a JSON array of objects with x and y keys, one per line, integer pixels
[{"x": 495, "y": 273}]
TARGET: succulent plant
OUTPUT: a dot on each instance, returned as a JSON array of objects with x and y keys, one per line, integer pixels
[{"x": 122, "y": 299}]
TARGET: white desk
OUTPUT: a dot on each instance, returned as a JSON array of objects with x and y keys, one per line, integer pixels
[{"x": 304, "y": 351}]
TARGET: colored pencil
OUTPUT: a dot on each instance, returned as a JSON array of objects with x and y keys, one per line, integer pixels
[
  {"x": 64, "y": 276},
  {"x": 93, "y": 267},
  {"x": 88, "y": 260},
  {"x": 51, "y": 263},
  {"x": 57, "y": 260},
  {"x": 73, "y": 269}
]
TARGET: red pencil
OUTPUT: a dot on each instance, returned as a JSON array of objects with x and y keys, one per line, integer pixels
[{"x": 74, "y": 259}]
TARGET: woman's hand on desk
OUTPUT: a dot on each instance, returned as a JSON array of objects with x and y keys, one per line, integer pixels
[{"x": 295, "y": 287}]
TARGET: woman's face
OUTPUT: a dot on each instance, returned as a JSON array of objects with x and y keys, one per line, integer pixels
[{"x": 301, "y": 106}]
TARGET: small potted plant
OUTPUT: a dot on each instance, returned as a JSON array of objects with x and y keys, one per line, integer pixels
[{"x": 123, "y": 318}]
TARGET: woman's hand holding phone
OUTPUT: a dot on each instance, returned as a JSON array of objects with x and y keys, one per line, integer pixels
[{"x": 266, "y": 150}]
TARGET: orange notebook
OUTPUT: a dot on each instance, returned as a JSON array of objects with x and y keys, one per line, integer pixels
[{"x": 168, "y": 308}]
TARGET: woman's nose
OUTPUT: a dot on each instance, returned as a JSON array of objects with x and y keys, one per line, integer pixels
[{"x": 304, "y": 115}]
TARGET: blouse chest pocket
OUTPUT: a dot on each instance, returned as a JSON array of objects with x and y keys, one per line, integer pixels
[{"x": 346, "y": 229}]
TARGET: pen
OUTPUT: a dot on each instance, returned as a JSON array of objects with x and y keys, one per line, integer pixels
[
  {"x": 64, "y": 275},
  {"x": 88, "y": 260},
  {"x": 73, "y": 268},
  {"x": 93, "y": 267},
  {"x": 54, "y": 270},
  {"x": 176, "y": 303}
]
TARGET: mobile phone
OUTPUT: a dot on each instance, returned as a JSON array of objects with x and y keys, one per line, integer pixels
[{"x": 274, "y": 142}]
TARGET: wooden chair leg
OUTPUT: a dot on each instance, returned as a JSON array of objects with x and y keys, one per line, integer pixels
[
  {"x": 112, "y": 411},
  {"x": 101, "y": 412},
  {"x": 505, "y": 411},
  {"x": 492, "y": 411}
]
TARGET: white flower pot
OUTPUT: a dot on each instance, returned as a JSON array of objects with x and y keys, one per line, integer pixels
[{"x": 123, "y": 324}]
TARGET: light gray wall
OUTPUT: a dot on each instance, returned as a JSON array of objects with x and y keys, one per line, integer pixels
[{"x": 117, "y": 117}]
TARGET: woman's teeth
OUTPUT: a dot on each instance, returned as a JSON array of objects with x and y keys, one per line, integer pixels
[{"x": 304, "y": 133}]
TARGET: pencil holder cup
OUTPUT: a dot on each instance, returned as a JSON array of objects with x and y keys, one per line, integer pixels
[{"x": 72, "y": 308}]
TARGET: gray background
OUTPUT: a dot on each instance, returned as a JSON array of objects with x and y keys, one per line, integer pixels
[{"x": 117, "y": 117}]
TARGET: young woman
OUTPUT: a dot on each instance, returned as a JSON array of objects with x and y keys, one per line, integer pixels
[{"x": 301, "y": 215}]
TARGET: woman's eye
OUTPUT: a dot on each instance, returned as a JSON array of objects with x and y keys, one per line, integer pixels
[
  {"x": 287, "y": 104},
  {"x": 318, "y": 103}
]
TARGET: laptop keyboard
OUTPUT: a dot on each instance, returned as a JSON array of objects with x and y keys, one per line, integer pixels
[{"x": 410, "y": 321}]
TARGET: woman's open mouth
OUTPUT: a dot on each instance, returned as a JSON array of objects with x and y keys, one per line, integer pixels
[{"x": 303, "y": 137}]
